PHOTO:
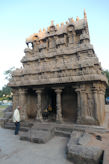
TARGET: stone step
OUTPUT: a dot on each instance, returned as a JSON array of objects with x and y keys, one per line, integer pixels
[
  {"x": 42, "y": 126},
  {"x": 12, "y": 127},
  {"x": 25, "y": 124},
  {"x": 37, "y": 136},
  {"x": 66, "y": 129},
  {"x": 90, "y": 128},
  {"x": 62, "y": 133}
]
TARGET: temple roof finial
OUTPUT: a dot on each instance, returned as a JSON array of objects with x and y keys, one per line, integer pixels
[
  {"x": 72, "y": 20},
  {"x": 77, "y": 18},
  {"x": 62, "y": 24},
  {"x": 85, "y": 15},
  {"x": 44, "y": 30},
  {"x": 57, "y": 26},
  {"x": 40, "y": 30},
  {"x": 52, "y": 22}
]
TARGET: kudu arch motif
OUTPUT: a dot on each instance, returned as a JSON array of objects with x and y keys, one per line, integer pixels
[{"x": 61, "y": 69}]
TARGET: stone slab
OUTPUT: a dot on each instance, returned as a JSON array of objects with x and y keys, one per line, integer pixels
[
  {"x": 84, "y": 155},
  {"x": 79, "y": 152}
]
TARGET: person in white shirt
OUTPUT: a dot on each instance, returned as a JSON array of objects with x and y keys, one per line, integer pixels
[{"x": 16, "y": 119}]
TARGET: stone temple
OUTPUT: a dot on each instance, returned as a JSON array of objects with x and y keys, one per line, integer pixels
[{"x": 61, "y": 69}]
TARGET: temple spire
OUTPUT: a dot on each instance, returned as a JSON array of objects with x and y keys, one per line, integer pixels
[
  {"x": 52, "y": 23},
  {"x": 85, "y": 15},
  {"x": 77, "y": 18}
]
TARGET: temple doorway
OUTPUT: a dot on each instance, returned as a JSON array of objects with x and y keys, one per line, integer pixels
[
  {"x": 69, "y": 105},
  {"x": 49, "y": 104}
]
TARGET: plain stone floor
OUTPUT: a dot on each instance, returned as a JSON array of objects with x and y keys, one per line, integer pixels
[{"x": 14, "y": 151}]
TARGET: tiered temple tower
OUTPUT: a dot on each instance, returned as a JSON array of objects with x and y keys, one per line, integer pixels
[{"x": 60, "y": 68}]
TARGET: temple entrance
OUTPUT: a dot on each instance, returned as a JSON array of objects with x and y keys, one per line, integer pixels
[{"x": 49, "y": 104}]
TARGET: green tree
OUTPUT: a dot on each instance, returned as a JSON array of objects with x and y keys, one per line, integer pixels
[
  {"x": 8, "y": 73},
  {"x": 106, "y": 72},
  {"x": 6, "y": 91}
]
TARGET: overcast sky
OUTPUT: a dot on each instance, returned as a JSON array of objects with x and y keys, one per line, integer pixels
[{"x": 21, "y": 18}]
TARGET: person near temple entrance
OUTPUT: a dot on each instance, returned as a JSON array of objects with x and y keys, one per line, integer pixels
[
  {"x": 49, "y": 109},
  {"x": 45, "y": 114},
  {"x": 16, "y": 119}
]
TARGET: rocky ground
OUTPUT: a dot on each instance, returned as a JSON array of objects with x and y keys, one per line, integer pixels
[
  {"x": 57, "y": 149},
  {"x": 103, "y": 144},
  {"x": 14, "y": 151}
]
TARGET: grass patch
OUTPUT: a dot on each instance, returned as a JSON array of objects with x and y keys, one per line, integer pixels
[
  {"x": 1, "y": 114},
  {"x": 3, "y": 106}
]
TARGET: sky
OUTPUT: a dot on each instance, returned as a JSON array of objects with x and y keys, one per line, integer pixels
[{"x": 21, "y": 18}]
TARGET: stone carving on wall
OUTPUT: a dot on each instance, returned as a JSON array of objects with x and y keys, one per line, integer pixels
[
  {"x": 63, "y": 55},
  {"x": 52, "y": 43},
  {"x": 36, "y": 45}
]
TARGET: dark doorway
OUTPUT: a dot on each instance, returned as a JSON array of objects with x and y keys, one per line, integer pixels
[
  {"x": 69, "y": 104},
  {"x": 49, "y": 100}
]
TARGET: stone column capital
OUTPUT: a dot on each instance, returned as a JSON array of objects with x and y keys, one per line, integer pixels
[
  {"x": 14, "y": 91},
  {"x": 38, "y": 90},
  {"x": 77, "y": 90},
  {"x": 22, "y": 91},
  {"x": 58, "y": 89},
  {"x": 95, "y": 89}
]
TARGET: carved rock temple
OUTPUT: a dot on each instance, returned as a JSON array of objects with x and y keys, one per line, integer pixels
[{"x": 60, "y": 69}]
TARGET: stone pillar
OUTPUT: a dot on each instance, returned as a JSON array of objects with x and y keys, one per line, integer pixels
[
  {"x": 58, "y": 104},
  {"x": 23, "y": 103},
  {"x": 78, "y": 105},
  {"x": 102, "y": 104},
  {"x": 96, "y": 105},
  {"x": 15, "y": 98},
  {"x": 84, "y": 116},
  {"x": 39, "y": 110},
  {"x": 81, "y": 105}
]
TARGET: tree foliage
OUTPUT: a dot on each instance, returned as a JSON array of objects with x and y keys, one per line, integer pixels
[
  {"x": 8, "y": 73},
  {"x": 106, "y": 72},
  {"x": 6, "y": 91}
]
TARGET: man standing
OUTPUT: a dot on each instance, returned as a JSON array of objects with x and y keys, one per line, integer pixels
[{"x": 16, "y": 119}]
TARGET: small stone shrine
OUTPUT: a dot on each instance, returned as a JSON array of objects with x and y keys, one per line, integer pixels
[{"x": 61, "y": 69}]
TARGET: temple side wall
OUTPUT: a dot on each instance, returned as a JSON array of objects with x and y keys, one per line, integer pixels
[{"x": 91, "y": 109}]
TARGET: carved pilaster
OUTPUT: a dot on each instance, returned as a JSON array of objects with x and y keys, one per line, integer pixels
[
  {"x": 58, "y": 104},
  {"x": 15, "y": 98},
  {"x": 96, "y": 104},
  {"x": 83, "y": 115},
  {"x": 78, "y": 105},
  {"x": 83, "y": 103},
  {"x": 102, "y": 104},
  {"x": 39, "y": 110},
  {"x": 23, "y": 103}
]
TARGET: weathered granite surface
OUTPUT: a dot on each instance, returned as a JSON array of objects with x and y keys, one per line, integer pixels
[
  {"x": 79, "y": 152},
  {"x": 39, "y": 133},
  {"x": 60, "y": 68}
]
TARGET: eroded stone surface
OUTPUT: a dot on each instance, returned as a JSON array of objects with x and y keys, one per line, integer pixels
[
  {"x": 39, "y": 133},
  {"x": 79, "y": 152},
  {"x": 61, "y": 69}
]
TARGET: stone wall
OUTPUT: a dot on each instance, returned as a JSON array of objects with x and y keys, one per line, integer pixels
[{"x": 60, "y": 56}]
